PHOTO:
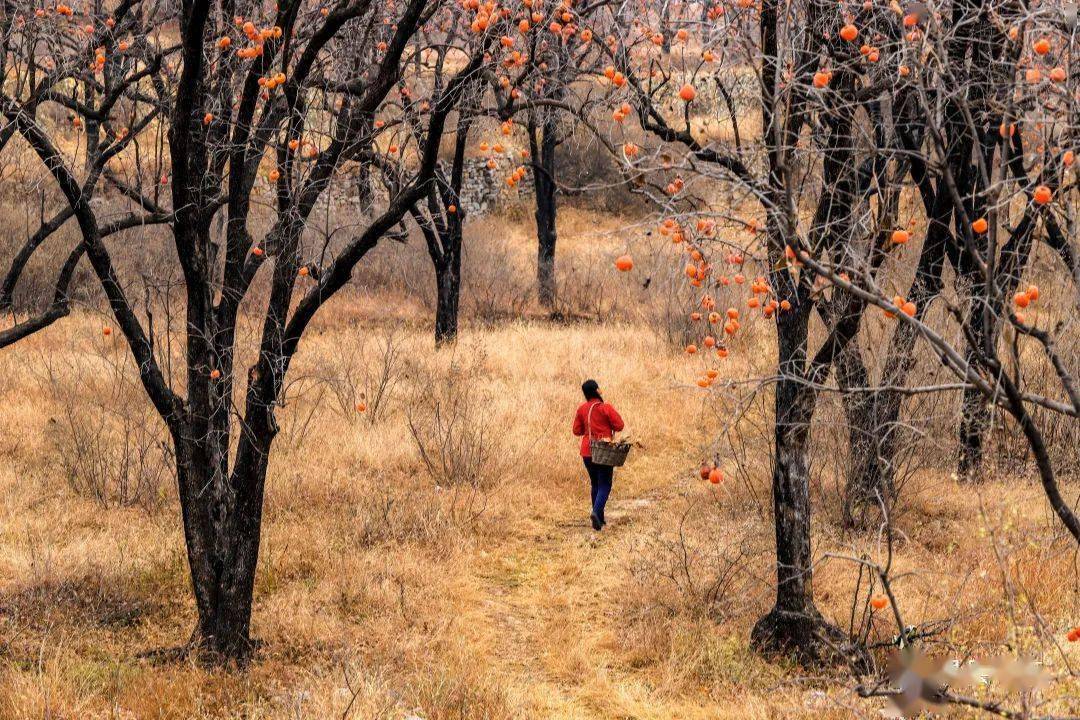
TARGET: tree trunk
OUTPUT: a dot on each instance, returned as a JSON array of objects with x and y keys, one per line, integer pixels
[
  {"x": 448, "y": 285},
  {"x": 974, "y": 408},
  {"x": 222, "y": 571},
  {"x": 222, "y": 517},
  {"x": 984, "y": 99},
  {"x": 977, "y": 412},
  {"x": 874, "y": 472},
  {"x": 543, "y": 150},
  {"x": 974, "y": 424},
  {"x": 865, "y": 487},
  {"x": 794, "y": 626}
]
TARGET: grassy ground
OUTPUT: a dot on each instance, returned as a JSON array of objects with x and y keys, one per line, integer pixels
[{"x": 473, "y": 588}]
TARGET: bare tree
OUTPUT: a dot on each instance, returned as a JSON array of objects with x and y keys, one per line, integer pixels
[{"x": 243, "y": 81}]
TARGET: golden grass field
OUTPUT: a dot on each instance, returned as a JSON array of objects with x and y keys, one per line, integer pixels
[{"x": 386, "y": 592}]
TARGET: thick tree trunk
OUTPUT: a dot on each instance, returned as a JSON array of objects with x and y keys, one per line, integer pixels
[
  {"x": 794, "y": 626},
  {"x": 791, "y": 506},
  {"x": 543, "y": 150},
  {"x": 975, "y": 415},
  {"x": 974, "y": 424},
  {"x": 990, "y": 72},
  {"x": 545, "y": 249},
  {"x": 222, "y": 577},
  {"x": 965, "y": 50},
  {"x": 222, "y": 517},
  {"x": 874, "y": 473},
  {"x": 977, "y": 412},
  {"x": 223, "y": 633}
]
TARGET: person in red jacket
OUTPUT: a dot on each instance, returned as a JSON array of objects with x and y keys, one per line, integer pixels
[{"x": 596, "y": 419}]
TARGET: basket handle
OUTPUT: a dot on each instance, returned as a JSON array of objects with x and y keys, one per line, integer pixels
[{"x": 588, "y": 420}]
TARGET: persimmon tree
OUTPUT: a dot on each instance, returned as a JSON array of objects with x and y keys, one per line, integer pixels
[
  {"x": 662, "y": 94},
  {"x": 877, "y": 127},
  {"x": 517, "y": 80},
  {"x": 441, "y": 217},
  {"x": 965, "y": 156},
  {"x": 242, "y": 102},
  {"x": 67, "y": 71},
  {"x": 548, "y": 82},
  {"x": 525, "y": 75}
]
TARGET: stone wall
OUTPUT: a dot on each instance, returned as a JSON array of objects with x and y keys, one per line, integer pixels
[{"x": 484, "y": 189}]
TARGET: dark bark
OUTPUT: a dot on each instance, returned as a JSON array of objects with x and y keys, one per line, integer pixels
[
  {"x": 790, "y": 478},
  {"x": 874, "y": 472},
  {"x": 542, "y": 145},
  {"x": 448, "y": 268},
  {"x": 989, "y": 80},
  {"x": 222, "y": 553},
  {"x": 441, "y": 223},
  {"x": 18, "y": 263},
  {"x": 867, "y": 488},
  {"x": 448, "y": 286},
  {"x": 794, "y": 626}
]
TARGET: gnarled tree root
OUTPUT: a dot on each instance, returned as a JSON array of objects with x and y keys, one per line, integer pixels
[{"x": 809, "y": 639}]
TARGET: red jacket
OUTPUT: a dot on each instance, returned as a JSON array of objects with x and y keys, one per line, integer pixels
[{"x": 604, "y": 421}]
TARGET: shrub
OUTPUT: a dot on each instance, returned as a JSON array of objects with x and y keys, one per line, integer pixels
[
  {"x": 109, "y": 444},
  {"x": 457, "y": 438}
]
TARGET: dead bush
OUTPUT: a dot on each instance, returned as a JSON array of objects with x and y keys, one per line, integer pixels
[
  {"x": 586, "y": 290},
  {"x": 96, "y": 598},
  {"x": 493, "y": 286},
  {"x": 459, "y": 443},
  {"x": 110, "y": 446},
  {"x": 666, "y": 312},
  {"x": 681, "y": 568},
  {"x": 404, "y": 512},
  {"x": 363, "y": 378}
]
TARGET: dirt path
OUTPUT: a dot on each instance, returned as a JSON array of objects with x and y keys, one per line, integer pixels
[{"x": 550, "y": 610}]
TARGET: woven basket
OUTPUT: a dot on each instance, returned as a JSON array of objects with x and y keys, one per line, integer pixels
[{"x": 606, "y": 452}]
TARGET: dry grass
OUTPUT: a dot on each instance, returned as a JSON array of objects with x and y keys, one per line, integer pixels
[{"x": 386, "y": 592}]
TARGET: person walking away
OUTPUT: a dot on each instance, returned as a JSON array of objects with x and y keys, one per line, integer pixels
[{"x": 596, "y": 419}]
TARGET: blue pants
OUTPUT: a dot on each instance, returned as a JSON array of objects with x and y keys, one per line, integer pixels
[{"x": 600, "y": 477}]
